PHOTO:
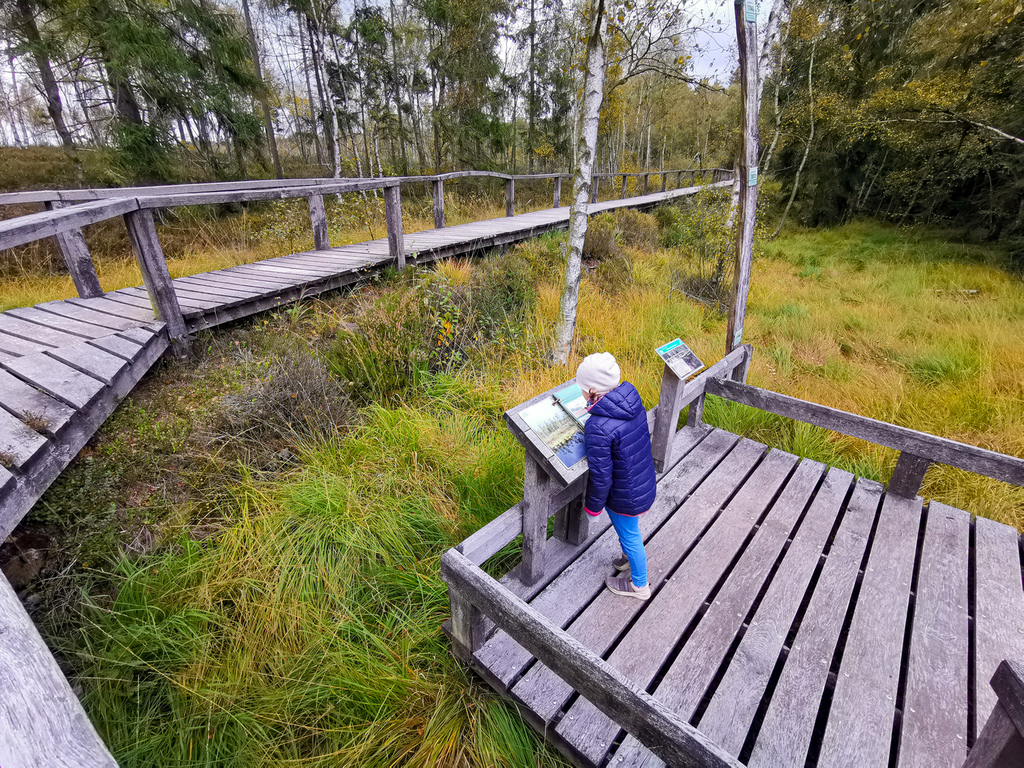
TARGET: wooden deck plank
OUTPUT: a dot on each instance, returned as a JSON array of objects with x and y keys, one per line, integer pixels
[
  {"x": 115, "y": 309},
  {"x": 244, "y": 279},
  {"x": 86, "y": 315},
  {"x": 785, "y": 734},
  {"x": 685, "y": 683},
  {"x": 860, "y": 721},
  {"x": 15, "y": 346},
  {"x": 291, "y": 265},
  {"x": 577, "y": 585},
  {"x": 934, "y": 723},
  {"x": 90, "y": 360},
  {"x": 57, "y": 379},
  {"x": 998, "y": 609},
  {"x": 20, "y": 399},
  {"x": 217, "y": 289},
  {"x": 731, "y": 712},
  {"x": 118, "y": 345},
  {"x": 250, "y": 287},
  {"x": 33, "y": 333},
  {"x": 643, "y": 651},
  {"x": 19, "y": 444},
  {"x": 540, "y": 689},
  {"x": 62, "y": 323},
  {"x": 123, "y": 297}
]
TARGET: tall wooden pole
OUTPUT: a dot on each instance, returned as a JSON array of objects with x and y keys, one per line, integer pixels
[{"x": 746, "y": 35}]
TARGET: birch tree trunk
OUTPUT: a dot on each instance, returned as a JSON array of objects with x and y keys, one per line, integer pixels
[
  {"x": 264, "y": 97},
  {"x": 593, "y": 95}
]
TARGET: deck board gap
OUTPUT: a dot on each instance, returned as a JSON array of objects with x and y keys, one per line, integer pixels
[{"x": 972, "y": 632}]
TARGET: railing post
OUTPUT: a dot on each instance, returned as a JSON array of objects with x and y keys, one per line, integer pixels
[
  {"x": 666, "y": 418},
  {"x": 557, "y": 201},
  {"x": 77, "y": 258},
  {"x": 679, "y": 179},
  {"x": 318, "y": 217},
  {"x": 536, "y": 506},
  {"x": 393, "y": 218},
  {"x": 693, "y": 177},
  {"x": 909, "y": 474},
  {"x": 647, "y": 177},
  {"x": 1001, "y": 743},
  {"x": 468, "y": 626},
  {"x": 438, "y": 186},
  {"x": 572, "y": 523},
  {"x": 623, "y": 195},
  {"x": 664, "y": 181},
  {"x": 595, "y": 182},
  {"x": 150, "y": 255},
  {"x": 510, "y": 197}
]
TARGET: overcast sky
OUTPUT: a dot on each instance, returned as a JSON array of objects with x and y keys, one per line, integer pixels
[{"x": 716, "y": 58}]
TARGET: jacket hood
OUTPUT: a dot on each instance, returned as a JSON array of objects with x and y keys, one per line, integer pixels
[{"x": 621, "y": 403}]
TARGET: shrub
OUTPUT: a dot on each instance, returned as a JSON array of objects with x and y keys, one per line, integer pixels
[
  {"x": 614, "y": 273},
  {"x": 637, "y": 230},
  {"x": 600, "y": 241}
]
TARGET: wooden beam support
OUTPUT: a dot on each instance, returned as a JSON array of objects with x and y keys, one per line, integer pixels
[
  {"x": 510, "y": 197},
  {"x": 77, "y": 258},
  {"x": 318, "y": 217},
  {"x": 909, "y": 474},
  {"x": 595, "y": 182},
  {"x": 1001, "y": 742},
  {"x": 572, "y": 523},
  {"x": 468, "y": 626},
  {"x": 393, "y": 217},
  {"x": 438, "y": 190},
  {"x": 150, "y": 255},
  {"x": 557, "y": 199},
  {"x": 647, "y": 178},
  {"x": 625, "y": 177},
  {"x": 536, "y": 510},
  {"x": 664, "y": 181},
  {"x": 679, "y": 179}
]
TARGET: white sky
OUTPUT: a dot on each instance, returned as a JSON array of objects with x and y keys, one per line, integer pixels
[{"x": 717, "y": 58}]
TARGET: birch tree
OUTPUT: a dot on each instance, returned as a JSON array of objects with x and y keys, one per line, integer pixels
[{"x": 593, "y": 95}]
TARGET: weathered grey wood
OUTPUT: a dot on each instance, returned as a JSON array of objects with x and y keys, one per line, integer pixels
[
  {"x": 318, "y": 218},
  {"x": 601, "y": 624},
  {"x": 1000, "y": 744},
  {"x": 860, "y": 723},
  {"x": 646, "y": 178},
  {"x": 556, "y": 200},
  {"x": 16, "y": 346},
  {"x": 18, "y": 443},
  {"x": 536, "y": 506},
  {"x": 731, "y": 712},
  {"x": 33, "y": 333},
  {"x": 909, "y": 474},
  {"x": 577, "y": 584},
  {"x": 934, "y": 723},
  {"x": 661, "y": 730},
  {"x": 35, "y": 226},
  {"x": 998, "y": 609},
  {"x": 493, "y": 537},
  {"x": 595, "y": 184},
  {"x": 117, "y": 345},
  {"x": 219, "y": 288},
  {"x": 467, "y": 627},
  {"x": 77, "y": 259},
  {"x": 57, "y": 379},
  {"x": 437, "y": 188},
  {"x": 622, "y": 195},
  {"x": 86, "y": 315},
  {"x": 788, "y": 724},
  {"x": 1008, "y": 684},
  {"x": 393, "y": 217},
  {"x": 939, "y": 449},
  {"x": 664, "y": 181},
  {"x": 510, "y": 197},
  {"x": 110, "y": 307},
  {"x": 41, "y": 718},
  {"x": 56, "y": 322},
  {"x": 26, "y": 401},
  {"x": 572, "y": 523},
  {"x": 150, "y": 255},
  {"x": 90, "y": 360},
  {"x": 695, "y": 416},
  {"x": 641, "y": 653}
]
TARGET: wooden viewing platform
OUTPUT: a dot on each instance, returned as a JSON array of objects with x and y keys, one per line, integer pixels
[
  {"x": 800, "y": 615},
  {"x": 65, "y": 365}
]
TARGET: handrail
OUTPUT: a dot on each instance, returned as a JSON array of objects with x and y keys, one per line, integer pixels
[
  {"x": 34, "y": 226},
  {"x": 664, "y": 732}
]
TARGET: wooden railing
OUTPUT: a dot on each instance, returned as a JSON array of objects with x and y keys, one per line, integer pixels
[{"x": 68, "y": 211}]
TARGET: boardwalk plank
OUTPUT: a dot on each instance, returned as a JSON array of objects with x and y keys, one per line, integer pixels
[
  {"x": 250, "y": 287},
  {"x": 15, "y": 346},
  {"x": 215, "y": 289},
  {"x": 34, "y": 333},
  {"x": 860, "y": 722},
  {"x": 60, "y": 380},
  {"x": 643, "y": 651},
  {"x": 22, "y": 399},
  {"x": 935, "y": 723},
  {"x": 686, "y": 681},
  {"x": 86, "y": 315},
  {"x": 998, "y": 609},
  {"x": 57, "y": 322},
  {"x": 246, "y": 275},
  {"x": 785, "y": 733},
  {"x": 90, "y": 360},
  {"x": 116, "y": 309},
  {"x": 540, "y": 689},
  {"x": 731, "y": 712},
  {"x": 584, "y": 578},
  {"x": 18, "y": 443},
  {"x": 118, "y": 345}
]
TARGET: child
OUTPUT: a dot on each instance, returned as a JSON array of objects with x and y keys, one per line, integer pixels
[{"x": 622, "y": 477}]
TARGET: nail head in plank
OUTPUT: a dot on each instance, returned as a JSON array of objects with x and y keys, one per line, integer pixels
[
  {"x": 934, "y": 723},
  {"x": 861, "y": 718}
]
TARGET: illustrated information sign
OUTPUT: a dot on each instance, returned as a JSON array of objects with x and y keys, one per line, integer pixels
[
  {"x": 680, "y": 358},
  {"x": 558, "y": 423}
]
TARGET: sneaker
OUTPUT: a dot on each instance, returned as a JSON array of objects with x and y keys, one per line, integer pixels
[
  {"x": 621, "y": 563},
  {"x": 623, "y": 585}
]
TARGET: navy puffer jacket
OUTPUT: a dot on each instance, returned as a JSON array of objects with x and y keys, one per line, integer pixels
[{"x": 619, "y": 454}]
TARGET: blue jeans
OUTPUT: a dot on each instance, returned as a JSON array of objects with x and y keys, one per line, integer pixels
[{"x": 632, "y": 542}]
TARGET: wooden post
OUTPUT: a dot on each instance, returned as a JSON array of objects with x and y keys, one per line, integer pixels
[
  {"x": 438, "y": 185},
  {"x": 666, "y": 418},
  {"x": 536, "y": 506},
  {"x": 318, "y": 216},
  {"x": 679, "y": 179},
  {"x": 647, "y": 178},
  {"x": 909, "y": 474},
  {"x": 595, "y": 183},
  {"x": 150, "y": 255},
  {"x": 623, "y": 195},
  {"x": 746, "y": 34},
  {"x": 468, "y": 627},
  {"x": 1000, "y": 743},
  {"x": 693, "y": 177},
  {"x": 393, "y": 217},
  {"x": 572, "y": 523},
  {"x": 510, "y": 197},
  {"x": 664, "y": 181},
  {"x": 557, "y": 202},
  {"x": 77, "y": 258}
]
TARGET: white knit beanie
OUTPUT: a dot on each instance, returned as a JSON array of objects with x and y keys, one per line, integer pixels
[{"x": 598, "y": 372}]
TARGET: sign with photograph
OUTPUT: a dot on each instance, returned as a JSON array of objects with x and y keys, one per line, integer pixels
[
  {"x": 680, "y": 358},
  {"x": 558, "y": 423}
]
